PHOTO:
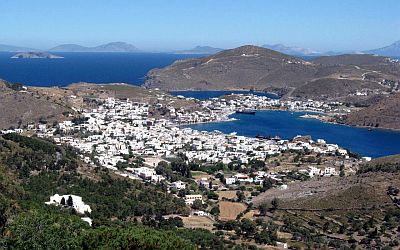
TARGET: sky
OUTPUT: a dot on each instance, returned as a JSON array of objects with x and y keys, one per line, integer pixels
[{"x": 160, "y": 25}]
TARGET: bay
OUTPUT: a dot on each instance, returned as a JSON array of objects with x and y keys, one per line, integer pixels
[
  {"x": 285, "y": 124},
  {"x": 132, "y": 67}
]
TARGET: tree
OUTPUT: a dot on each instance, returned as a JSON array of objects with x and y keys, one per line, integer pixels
[
  {"x": 212, "y": 196},
  {"x": 240, "y": 196},
  {"x": 215, "y": 211},
  {"x": 263, "y": 209},
  {"x": 197, "y": 204},
  {"x": 266, "y": 236},
  {"x": 247, "y": 227},
  {"x": 70, "y": 202},
  {"x": 267, "y": 184},
  {"x": 275, "y": 203},
  {"x": 326, "y": 226}
]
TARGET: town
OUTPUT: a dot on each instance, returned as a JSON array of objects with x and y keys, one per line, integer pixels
[
  {"x": 108, "y": 135},
  {"x": 198, "y": 166}
]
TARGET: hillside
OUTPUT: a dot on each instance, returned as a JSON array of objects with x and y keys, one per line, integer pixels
[
  {"x": 19, "y": 107},
  {"x": 23, "y": 105},
  {"x": 350, "y": 59},
  {"x": 251, "y": 67},
  {"x": 33, "y": 169},
  {"x": 241, "y": 68},
  {"x": 384, "y": 114},
  {"x": 353, "y": 210}
]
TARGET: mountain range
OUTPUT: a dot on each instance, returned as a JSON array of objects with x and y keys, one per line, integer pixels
[
  {"x": 205, "y": 50},
  {"x": 11, "y": 48},
  {"x": 294, "y": 51},
  {"x": 391, "y": 50},
  {"x": 109, "y": 47}
]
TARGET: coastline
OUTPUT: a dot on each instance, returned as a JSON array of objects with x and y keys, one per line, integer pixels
[
  {"x": 224, "y": 90},
  {"x": 350, "y": 125},
  {"x": 297, "y": 111}
]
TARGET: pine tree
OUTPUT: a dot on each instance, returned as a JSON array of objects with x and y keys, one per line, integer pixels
[{"x": 70, "y": 201}]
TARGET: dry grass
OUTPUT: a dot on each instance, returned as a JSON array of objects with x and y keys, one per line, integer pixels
[
  {"x": 198, "y": 175},
  {"x": 231, "y": 194},
  {"x": 249, "y": 215},
  {"x": 230, "y": 210},
  {"x": 198, "y": 222},
  {"x": 334, "y": 192}
]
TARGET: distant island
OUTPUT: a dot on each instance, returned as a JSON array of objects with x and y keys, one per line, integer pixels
[
  {"x": 391, "y": 50},
  {"x": 293, "y": 51},
  {"x": 35, "y": 55},
  {"x": 109, "y": 47},
  {"x": 205, "y": 50},
  {"x": 12, "y": 48}
]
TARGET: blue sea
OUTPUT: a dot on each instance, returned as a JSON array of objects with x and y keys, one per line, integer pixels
[
  {"x": 86, "y": 67},
  {"x": 132, "y": 67},
  {"x": 285, "y": 124}
]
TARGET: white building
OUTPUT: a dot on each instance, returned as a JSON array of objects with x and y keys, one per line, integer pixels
[
  {"x": 281, "y": 244},
  {"x": 190, "y": 198},
  {"x": 329, "y": 171},
  {"x": 77, "y": 202},
  {"x": 230, "y": 180},
  {"x": 313, "y": 171},
  {"x": 178, "y": 185}
]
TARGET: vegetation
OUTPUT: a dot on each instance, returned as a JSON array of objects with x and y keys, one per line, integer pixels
[
  {"x": 380, "y": 167},
  {"x": 33, "y": 169},
  {"x": 39, "y": 230}
]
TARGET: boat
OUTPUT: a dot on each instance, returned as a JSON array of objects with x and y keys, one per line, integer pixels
[
  {"x": 276, "y": 138},
  {"x": 246, "y": 112},
  {"x": 263, "y": 137},
  {"x": 268, "y": 137}
]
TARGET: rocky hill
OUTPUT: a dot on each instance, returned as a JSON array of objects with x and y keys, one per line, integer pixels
[
  {"x": 251, "y": 67},
  {"x": 383, "y": 114},
  {"x": 21, "y": 105},
  {"x": 241, "y": 68},
  {"x": 350, "y": 59},
  {"x": 337, "y": 208}
]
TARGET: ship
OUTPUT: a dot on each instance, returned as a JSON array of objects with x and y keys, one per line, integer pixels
[
  {"x": 275, "y": 138},
  {"x": 246, "y": 112}
]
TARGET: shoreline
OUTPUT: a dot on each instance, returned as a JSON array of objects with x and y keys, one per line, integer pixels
[
  {"x": 353, "y": 126},
  {"x": 297, "y": 111},
  {"x": 225, "y": 90}
]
